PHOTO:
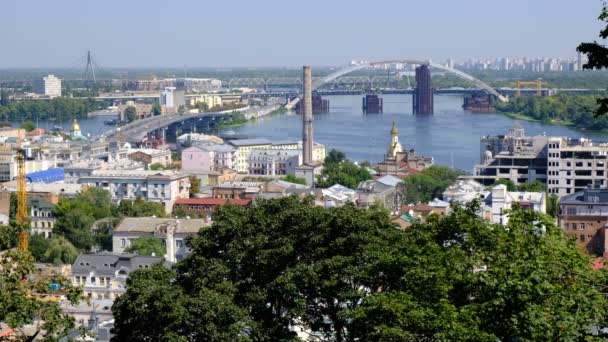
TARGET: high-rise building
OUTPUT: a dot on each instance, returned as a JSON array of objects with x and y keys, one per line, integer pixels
[
  {"x": 172, "y": 97},
  {"x": 49, "y": 86},
  {"x": 423, "y": 94}
]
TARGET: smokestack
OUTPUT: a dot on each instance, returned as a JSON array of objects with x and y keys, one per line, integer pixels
[
  {"x": 307, "y": 116},
  {"x": 170, "y": 245}
]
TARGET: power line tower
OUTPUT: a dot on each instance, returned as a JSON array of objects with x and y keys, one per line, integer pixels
[{"x": 89, "y": 71}]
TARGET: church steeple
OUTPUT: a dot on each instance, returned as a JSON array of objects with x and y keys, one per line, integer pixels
[{"x": 394, "y": 146}]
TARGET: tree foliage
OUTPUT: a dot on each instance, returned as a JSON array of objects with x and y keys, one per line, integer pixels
[
  {"x": 195, "y": 185},
  {"x": 28, "y": 125},
  {"x": 8, "y": 236},
  {"x": 338, "y": 170},
  {"x": 426, "y": 185},
  {"x": 60, "y": 108},
  {"x": 147, "y": 246},
  {"x": 21, "y": 305},
  {"x": 140, "y": 208},
  {"x": 349, "y": 274},
  {"x": 130, "y": 113},
  {"x": 597, "y": 58},
  {"x": 294, "y": 179}
]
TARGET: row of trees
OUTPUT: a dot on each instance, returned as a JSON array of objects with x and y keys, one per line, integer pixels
[
  {"x": 577, "y": 110},
  {"x": 60, "y": 108},
  {"x": 350, "y": 275},
  {"x": 338, "y": 170}
]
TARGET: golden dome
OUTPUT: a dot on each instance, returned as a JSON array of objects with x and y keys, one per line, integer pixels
[
  {"x": 394, "y": 130},
  {"x": 75, "y": 125}
]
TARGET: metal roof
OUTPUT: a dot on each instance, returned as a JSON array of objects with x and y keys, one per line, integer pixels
[{"x": 46, "y": 176}]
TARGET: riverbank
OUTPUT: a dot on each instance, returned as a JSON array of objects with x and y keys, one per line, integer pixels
[
  {"x": 235, "y": 120},
  {"x": 521, "y": 116}
]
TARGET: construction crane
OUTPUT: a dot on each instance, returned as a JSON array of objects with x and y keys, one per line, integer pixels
[
  {"x": 538, "y": 83},
  {"x": 21, "y": 196}
]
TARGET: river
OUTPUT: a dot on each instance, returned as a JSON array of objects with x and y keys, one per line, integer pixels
[{"x": 451, "y": 135}]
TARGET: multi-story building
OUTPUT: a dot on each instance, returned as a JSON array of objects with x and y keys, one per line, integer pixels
[
  {"x": 155, "y": 186},
  {"x": 207, "y": 206},
  {"x": 42, "y": 219},
  {"x": 584, "y": 215},
  {"x": 274, "y": 162},
  {"x": 318, "y": 150},
  {"x": 244, "y": 148},
  {"x": 49, "y": 86},
  {"x": 209, "y": 158},
  {"x": 513, "y": 156},
  {"x": 103, "y": 278},
  {"x": 574, "y": 165},
  {"x": 172, "y": 98},
  {"x": 242, "y": 190},
  {"x": 209, "y": 100},
  {"x": 171, "y": 232}
]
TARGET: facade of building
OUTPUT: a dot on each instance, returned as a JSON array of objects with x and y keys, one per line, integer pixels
[
  {"x": 274, "y": 162},
  {"x": 584, "y": 215},
  {"x": 209, "y": 100},
  {"x": 155, "y": 186},
  {"x": 207, "y": 206},
  {"x": 500, "y": 200},
  {"x": 42, "y": 219},
  {"x": 244, "y": 148},
  {"x": 172, "y": 98},
  {"x": 209, "y": 158},
  {"x": 171, "y": 232},
  {"x": 242, "y": 190},
  {"x": 49, "y": 86}
]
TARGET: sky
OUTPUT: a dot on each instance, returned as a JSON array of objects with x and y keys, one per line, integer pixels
[{"x": 264, "y": 33}]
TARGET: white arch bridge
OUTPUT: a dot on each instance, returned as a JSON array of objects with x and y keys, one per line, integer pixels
[{"x": 331, "y": 77}]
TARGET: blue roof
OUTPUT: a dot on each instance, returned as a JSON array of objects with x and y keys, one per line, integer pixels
[{"x": 47, "y": 176}]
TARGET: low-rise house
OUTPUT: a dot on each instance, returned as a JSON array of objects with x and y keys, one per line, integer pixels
[
  {"x": 237, "y": 190},
  {"x": 464, "y": 191},
  {"x": 149, "y": 156},
  {"x": 584, "y": 215},
  {"x": 155, "y": 186},
  {"x": 373, "y": 192},
  {"x": 338, "y": 195},
  {"x": 499, "y": 201},
  {"x": 171, "y": 232}
]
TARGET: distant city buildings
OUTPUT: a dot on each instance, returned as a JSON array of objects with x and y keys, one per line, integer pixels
[{"x": 49, "y": 86}]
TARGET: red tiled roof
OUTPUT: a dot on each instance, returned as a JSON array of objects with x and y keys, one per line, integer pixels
[
  {"x": 37, "y": 131},
  {"x": 212, "y": 201},
  {"x": 417, "y": 207}
]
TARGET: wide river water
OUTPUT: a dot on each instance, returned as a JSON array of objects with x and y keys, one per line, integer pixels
[{"x": 451, "y": 136}]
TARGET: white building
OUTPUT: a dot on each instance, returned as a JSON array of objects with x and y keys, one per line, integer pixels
[
  {"x": 500, "y": 200},
  {"x": 49, "y": 86},
  {"x": 155, "y": 186},
  {"x": 273, "y": 162}
]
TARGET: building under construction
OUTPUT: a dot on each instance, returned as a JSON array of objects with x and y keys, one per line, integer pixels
[
  {"x": 423, "y": 94},
  {"x": 372, "y": 104},
  {"x": 319, "y": 105}
]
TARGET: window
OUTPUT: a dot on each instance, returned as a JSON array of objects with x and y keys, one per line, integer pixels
[
  {"x": 93, "y": 280},
  {"x": 582, "y": 226},
  {"x": 582, "y": 237},
  {"x": 123, "y": 242}
]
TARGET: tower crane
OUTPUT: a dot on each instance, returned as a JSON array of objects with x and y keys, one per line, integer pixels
[
  {"x": 538, "y": 83},
  {"x": 21, "y": 196}
]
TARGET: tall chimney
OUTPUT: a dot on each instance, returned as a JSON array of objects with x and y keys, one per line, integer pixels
[
  {"x": 170, "y": 242},
  {"x": 307, "y": 116}
]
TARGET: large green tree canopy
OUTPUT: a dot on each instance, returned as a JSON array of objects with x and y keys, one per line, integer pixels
[{"x": 351, "y": 275}]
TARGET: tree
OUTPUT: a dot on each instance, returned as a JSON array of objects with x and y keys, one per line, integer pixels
[
  {"x": 294, "y": 179},
  {"x": 4, "y": 97},
  {"x": 20, "y": 305},
  {"x": 338, "y": 170},
  {"x": 156, "y": 110},
  {"x": 38, "y": 246},
  {"x": 60, "y": 251},
  {"x": 156, "y": 308},
  {"x": 535, "y": 186},
  {"x": 157, "y": 166},
  {"x": 8, "y": 236},
  {"x": 195, "y": 185},
  {"x": 130, "y": 113},
  {"x": 426, "y": 185},
  {"x": 509, "y": 183},
  {"x": 28, "y": 125},
  {"x": 597, "y": 56},
  {"x": 181, "y": 109},
  {"x": 553, "y": 205},
  {"x": 147, "y": 246}
]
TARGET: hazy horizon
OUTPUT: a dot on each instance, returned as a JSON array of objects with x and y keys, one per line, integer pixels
[{"x": 263, "y": 34}]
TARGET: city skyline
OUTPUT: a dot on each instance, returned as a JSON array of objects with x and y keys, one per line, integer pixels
[{"x": 156, "y": 34}]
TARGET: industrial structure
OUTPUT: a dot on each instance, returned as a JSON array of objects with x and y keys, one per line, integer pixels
[
  {"x": 538, "y": 83},
  {"x": 307, "y": 116},
  {"x": 372, "y": 104},
  {"x": 423, "y": 94}
]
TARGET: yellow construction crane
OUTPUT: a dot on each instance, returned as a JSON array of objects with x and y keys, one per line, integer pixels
[
  {"x": 21, "y": 196},
  {"x": 538, "y": 83}
]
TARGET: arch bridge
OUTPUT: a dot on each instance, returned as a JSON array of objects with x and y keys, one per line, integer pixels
[{"x": 331, "y": 77}]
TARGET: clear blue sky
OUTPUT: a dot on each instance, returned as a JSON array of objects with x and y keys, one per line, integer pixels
[{"x": 222, "y": 33}]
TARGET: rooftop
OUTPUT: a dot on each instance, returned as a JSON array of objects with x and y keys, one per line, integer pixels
[
  {"x": 150, "y": 225},
  {"x": 106, "y": 263},
  {"x": 212, "y": 201},
  {"x": 249, "y": 142}
]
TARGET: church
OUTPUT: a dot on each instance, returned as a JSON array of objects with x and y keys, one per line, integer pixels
[
  {"x": 75, "y": 132},
  {"x": 400, "y": 163}
]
